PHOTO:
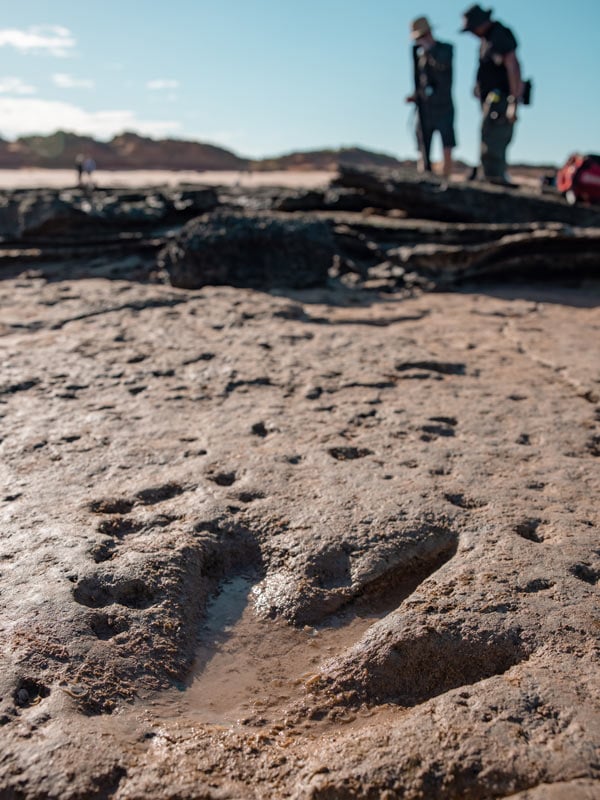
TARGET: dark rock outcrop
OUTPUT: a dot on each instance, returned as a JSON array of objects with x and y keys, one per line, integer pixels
[
  {"x": 428, "y": 199},
  {"x": 537, "y": 254},
  {"x": 249, "y": 251},
  {"x": 268, "y": 237},
  {"x": 76, "y": 213}
]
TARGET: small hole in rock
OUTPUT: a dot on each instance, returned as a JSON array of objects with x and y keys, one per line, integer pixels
[
  {"x": 111, "y": 505},
  {"x": 156, "y": 494},
  {"x": 105, "y": 626},
  {"x": 223, "y": 478},
  {"x": 133, "y": 593},
  {"x": 103, "y": 552},
  {"x": 92, "y": 593},
  {"x": 118, "y": 527},
  {"x": 30, "y": 692},
  {"x": 528, "y": 529},
  {"x": 348, "y": 453},
  {"x": 586, "y": 573}
]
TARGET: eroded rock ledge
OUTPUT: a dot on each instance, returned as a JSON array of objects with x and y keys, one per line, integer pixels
[
  {"x": 369, "y": 517},
  {"x": 380, "y": 230}
]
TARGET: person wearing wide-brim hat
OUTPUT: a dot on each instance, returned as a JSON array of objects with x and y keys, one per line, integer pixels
[
  {"x": 432, "y": 93},
  {"x": 419, "y": 28},
  {"x": 498, "y": 87},
  {"x": 474, "y": 18}
]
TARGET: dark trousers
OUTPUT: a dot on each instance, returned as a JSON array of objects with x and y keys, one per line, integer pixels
[
  {"x": 429, "y": 121},
  {"x": 496, "y": 135},
  {"x": 424, "y": 137}
]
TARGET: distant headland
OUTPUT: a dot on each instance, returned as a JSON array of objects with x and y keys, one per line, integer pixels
[{"x": 132, "y": 151}]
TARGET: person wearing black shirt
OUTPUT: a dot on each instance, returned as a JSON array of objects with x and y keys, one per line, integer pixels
[
  {"x": 498, "y": 87},
  {"x": 432, "y": 93}
]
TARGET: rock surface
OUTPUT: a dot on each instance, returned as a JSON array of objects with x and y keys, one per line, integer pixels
[
  {"x": 269, "y": 236},
  {"x": 473, "y": 202},
  {"x": 248, "y": 250},
  {"x": 327, "y": 543}
]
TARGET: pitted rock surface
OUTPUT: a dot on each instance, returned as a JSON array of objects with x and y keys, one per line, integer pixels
[
  {"x": 249, "y": 250},
  {"x": 408, "y": 484}
]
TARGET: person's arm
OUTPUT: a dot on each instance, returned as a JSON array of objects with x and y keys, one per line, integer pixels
[
  {"x": 414, "y": 96},
  {"x": 515, "y": 84},
  {"x": 513, "y": 70}
]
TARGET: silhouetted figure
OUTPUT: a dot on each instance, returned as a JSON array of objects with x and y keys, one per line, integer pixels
[
  {"x": 79, "y": 168},
  {"x": 498, "y": 88},
  {"x": 89, "y": 165},
  {"x": 433, "y": 93}
]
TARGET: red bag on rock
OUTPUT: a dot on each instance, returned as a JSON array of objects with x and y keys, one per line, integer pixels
[{"x": 579, "y": 179}]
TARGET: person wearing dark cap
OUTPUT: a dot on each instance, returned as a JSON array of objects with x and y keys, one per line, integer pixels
[
  {"x": 498, "y": 87},
  {"x": 432, "y": 93}
]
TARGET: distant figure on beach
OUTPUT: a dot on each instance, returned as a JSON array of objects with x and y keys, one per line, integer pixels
[
  {"x": 79, "y": 169},
  {"x": 498, "y": 88},
  {"x": 432, "y": 94},
  {"x": 89, "y": 165}
]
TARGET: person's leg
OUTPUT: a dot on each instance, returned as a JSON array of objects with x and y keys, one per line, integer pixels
[
  {"x": 424, "y": 134},
  {"x": 446, "y": 129},
  {"x": 496, "y": 135},
  {"x": 447, "y": 162}
]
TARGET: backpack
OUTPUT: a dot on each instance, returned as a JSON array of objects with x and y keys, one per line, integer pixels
[{"x": 579, "y": 178}]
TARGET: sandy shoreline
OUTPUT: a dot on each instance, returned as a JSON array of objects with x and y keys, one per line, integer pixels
[
  {"x": 34, "y": 178},
  {"x": 65, "y": 178}
]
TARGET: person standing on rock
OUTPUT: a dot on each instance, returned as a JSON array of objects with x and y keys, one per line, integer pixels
[
  {"x": 433, "y": 93},
  {"x": 498, "y": 88}
]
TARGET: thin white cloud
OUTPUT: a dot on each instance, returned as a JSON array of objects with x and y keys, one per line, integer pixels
[
  {"x": 64, "y": 81},
  {"x": 55, "y": 40},
  {"x": 21, "y": 116},
  {"x": 15, "y": 86},
  {"x": 161, "y": 84}
]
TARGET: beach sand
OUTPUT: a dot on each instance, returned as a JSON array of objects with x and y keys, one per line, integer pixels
[{"x": 66, "y": 178}]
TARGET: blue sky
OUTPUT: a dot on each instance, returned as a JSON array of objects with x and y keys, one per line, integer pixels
[{"x": 264, "y": 77}]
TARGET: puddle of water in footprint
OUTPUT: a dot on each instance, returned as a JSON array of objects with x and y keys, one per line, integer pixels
[{"x": 248, "y": 666}]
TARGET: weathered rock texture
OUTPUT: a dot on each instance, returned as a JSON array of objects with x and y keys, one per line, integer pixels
[
  {"x": 472, "y": 202},
  {"x": 368, "y": 229},
  {"x": 407, "y": 483},
  {"x": 248, "y": 250}
]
